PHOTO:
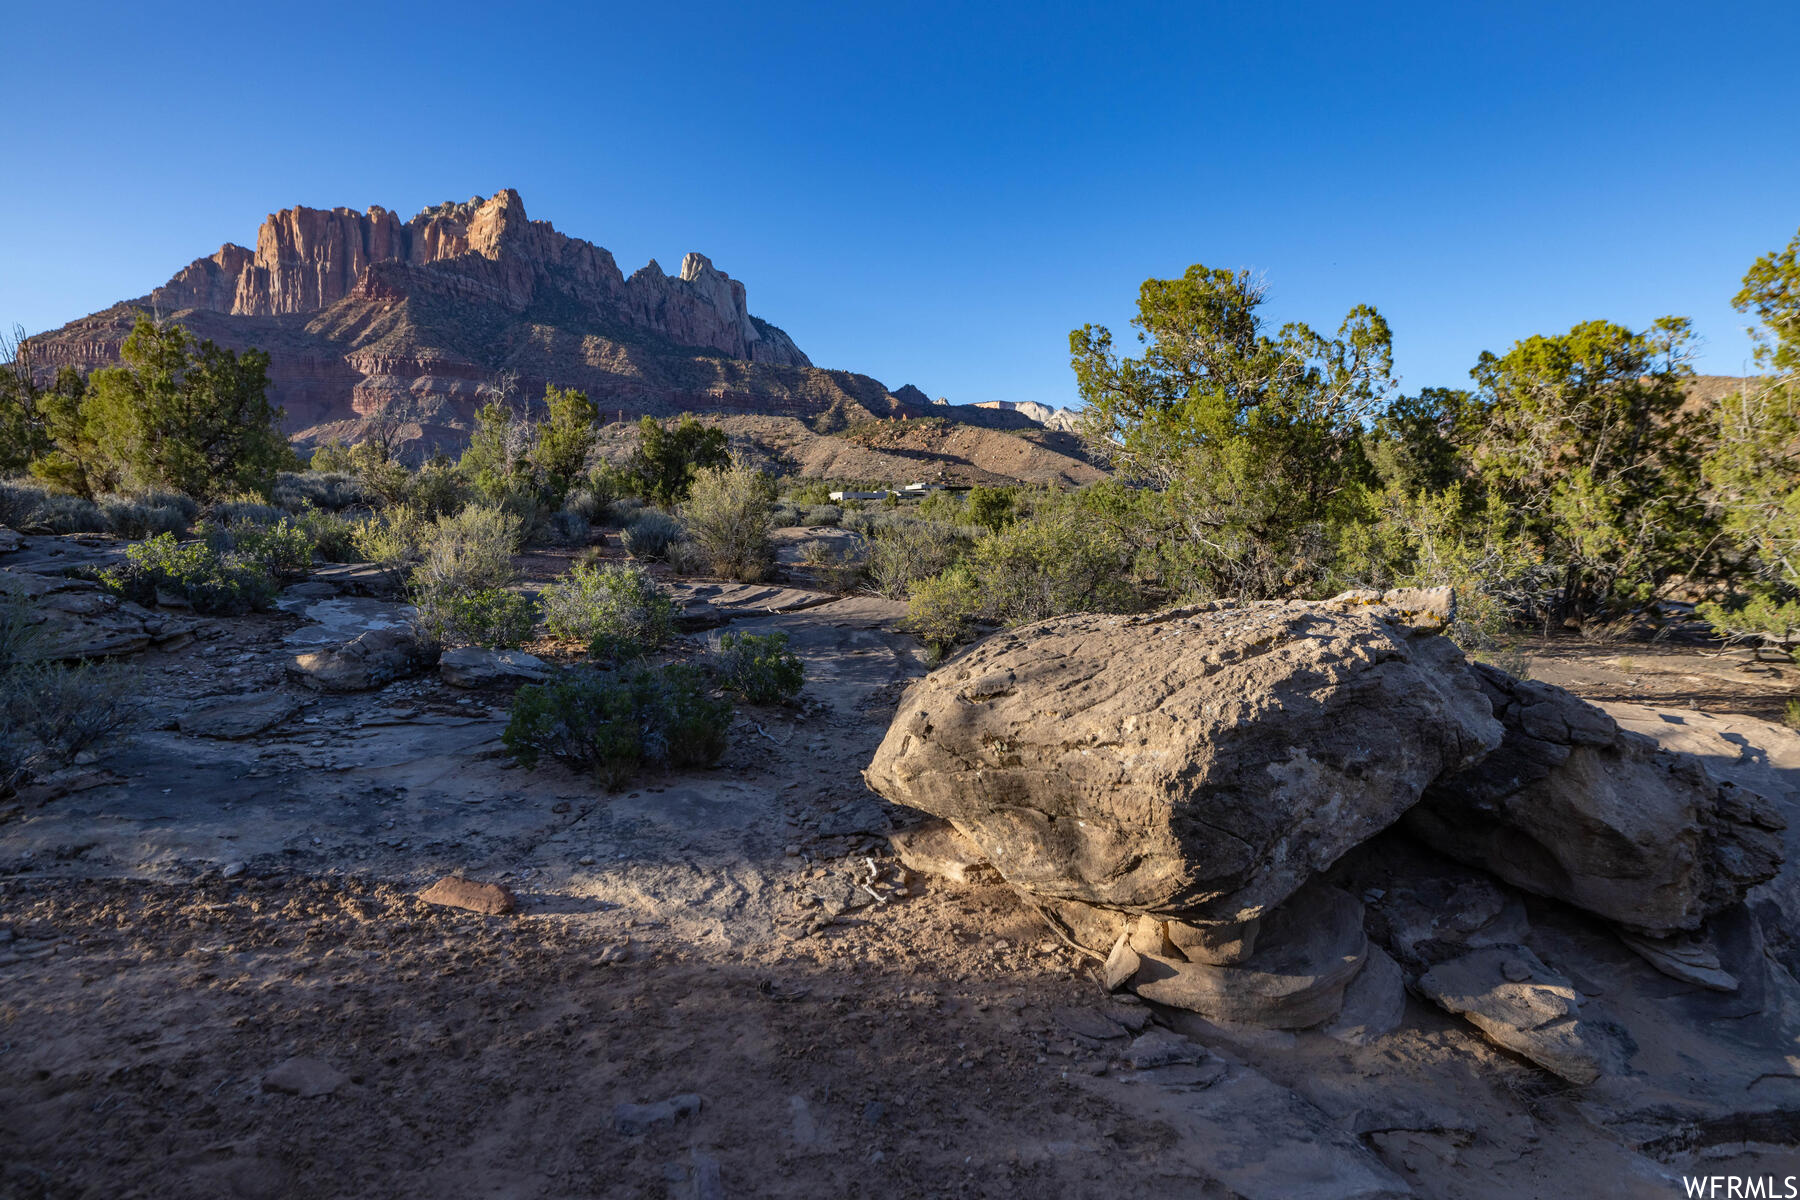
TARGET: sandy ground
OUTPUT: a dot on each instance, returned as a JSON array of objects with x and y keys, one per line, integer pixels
[{"x": 190, "y": 915}]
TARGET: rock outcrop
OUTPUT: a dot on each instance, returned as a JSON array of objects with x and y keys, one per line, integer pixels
[
  {"x": 1571, "y": 806},
  {"x": 367, "y": 661},
  {"x": 1224, "y": 805},
  {"x": 418, "y": 323},
  {"x": 475, "y": 667},
  {"x": 76, "y": 619},
  {"x": 308, "y": 259},
  {"x": 1201, "y": 764}
]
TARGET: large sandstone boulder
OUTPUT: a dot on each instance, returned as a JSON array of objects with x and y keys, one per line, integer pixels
[
  {"x": 1573, "y": 807},
  {"x": 1200, "y": 763}
]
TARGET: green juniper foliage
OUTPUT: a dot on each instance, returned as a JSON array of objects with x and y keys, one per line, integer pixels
[
  {"x": 613, "y": 723},
  {"x": 759, "y": 667},
  {"x": 665, "y": 461}
]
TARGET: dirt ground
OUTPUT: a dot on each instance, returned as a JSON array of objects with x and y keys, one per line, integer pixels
[{"x": 197, "y": 932}]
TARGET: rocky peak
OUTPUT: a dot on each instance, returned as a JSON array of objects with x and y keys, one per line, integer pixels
[{"x": 308, "y": 259}]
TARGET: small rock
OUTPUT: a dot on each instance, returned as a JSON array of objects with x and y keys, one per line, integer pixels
[
  {"x": 1515, "y": 969},
  {"x": 1374, "y": 1003},
  {"x": 633, "y": 1119},
  {"x": 936, "y": 848},
  {"x": 1161, "y": 1048},
  {"x": 370, "y": 660},
  {"x": 1121, "y": 964},
  {"x": 707, "y": 1185},
  {"x": 586, "y": 860},
  {"x": 231, "y": 870},
  {"x": 874, "y": 1112},
  {"x": 304, "y": 1077},
  {"x": 1538, "y": 1017},
  {"x": 1689, "y": 958},
  {"x": 1085, "y": 1022},
  {"x": 455, "y": 892},
  {"x": 471, "y": 667},
  {"x": 1134, "y": 1019}
]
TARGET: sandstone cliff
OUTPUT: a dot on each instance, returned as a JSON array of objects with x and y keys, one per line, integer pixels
[
  {"x": 308, "y": 259},
  {"x": 421, "y": 321}
]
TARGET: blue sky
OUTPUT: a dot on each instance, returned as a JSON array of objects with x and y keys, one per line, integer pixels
[{"x": 938, "y": 194}]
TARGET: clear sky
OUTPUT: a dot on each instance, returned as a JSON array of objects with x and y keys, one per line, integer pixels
[{"x": 937, "y": 194}]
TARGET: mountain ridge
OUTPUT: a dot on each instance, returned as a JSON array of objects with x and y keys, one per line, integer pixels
[{"x": 421, "y": 322}]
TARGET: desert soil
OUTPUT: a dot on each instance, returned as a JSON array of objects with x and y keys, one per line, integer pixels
[{"x": 193, "y": 929}]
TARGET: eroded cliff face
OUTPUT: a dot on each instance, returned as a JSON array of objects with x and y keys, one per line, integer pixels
[
  {"x": 416, "y": 324},
  {"x": 307, "y": 260}
]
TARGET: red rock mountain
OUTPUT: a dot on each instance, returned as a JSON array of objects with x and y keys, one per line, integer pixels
[{"x": 423, "y": 321}]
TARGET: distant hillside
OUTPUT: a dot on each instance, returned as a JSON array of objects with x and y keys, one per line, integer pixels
[{"x": 422, "y": 322}]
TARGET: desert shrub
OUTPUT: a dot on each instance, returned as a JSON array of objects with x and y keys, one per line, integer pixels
[
  {"x": 459, "y": 581},
  {"x": 1431, "y": 539},
  {"x": 623, "y": 511},
  {"x": 568, "y": 528},
  {"x": 225, "y": 584},
  {"x": 838, "y": 568},
  {"x": 872, "y": 521},
  {"x": 390, "y": 540},
  {"x": 759, "y": 667},
  {"x": 147, "y": 515},
  {"x": 21, "y": 639},
  {"x": 943, "y": 609},
  {"x": 332, "y": 534},
  {"x": 1056, "y": 561},
  {"x": 821, "y": 514},
  {"x": 17, "y": 500},
  {"x": 784, "y": 516},
  {"x": 992, "y": 508},
  {"x": 26, "y": 505},
  {"x": 434, "y": 490},
  {"x": 379, "y": 476},
  {"x": 496, "y": 618},
  {"x": 55, "y": 711},
  {"x": 283, "y": 549},
  {"x": 944, "y": 507},
  {"x": 467, "y": 551},
  {"x": 330, "y": 491},
  {"x": 650, "y": 535},
  {"x": 612, "y": 609},
  {"x": 329, "y": 457},
  {"x": 70, "y": 514},
  {"x": 613, "y": 723},
  {"x": 243, "y": 510},
  {"x": 727, "y": 514},
  {"x": 586, "y": 504},
  {"x": 903, "y": 553},
  {"x": 812, "y": 491},
  {"x": 689, "y": 558}
]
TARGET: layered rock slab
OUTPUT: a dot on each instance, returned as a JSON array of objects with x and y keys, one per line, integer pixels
[
  {"x": 1200, "y": 763},
  {"x": 1573, "y": 807}
]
